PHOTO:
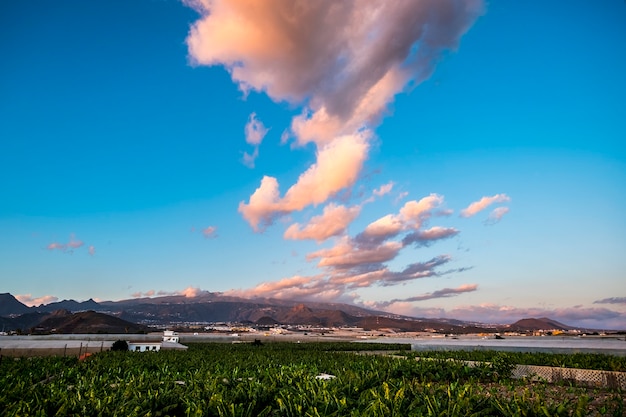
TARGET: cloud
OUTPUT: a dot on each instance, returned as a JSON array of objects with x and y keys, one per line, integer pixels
[
  {"x": 384, "y": 189},
  {"x": 31, "y": 301},
  {"x": 483, "y": 203},
  {"x": 92, "y": 250},
  {"x": 410, "y": 217},
  {"x": 333, "y": 222},
  {"x": 209, "y": 232},
  {"x": 429, "y": 236},
  {"x": 255, "y": 132},
  {"x": 68, "y": 247},
  {"x": 496, "y": 215},
  {"x": 337, "y": 283},
  {"x": 189, "y": 292},
  {"x": 443, "y": 293},
  {"x": 345, "y": 254},
  {"x": 612, "y": 300},
  {"x": 572, "y": 316},
  {"x": 249, "y": 158},
  {"x": 337, "y": 167},
  {"x": 342, "y": 61}
]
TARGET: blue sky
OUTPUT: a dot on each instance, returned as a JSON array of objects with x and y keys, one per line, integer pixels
[{"x": 126, "y": 168}]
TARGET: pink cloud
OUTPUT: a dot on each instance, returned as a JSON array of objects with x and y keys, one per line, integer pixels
[
  {"x": 289, "y": 50},
  {"x": 496, "y": 215},
  {"x": 337, "y": 283},
  {"x": 384, "y": 189},
  {"x": 338, "y": 166},
  {"x": 209, "y": 232},
  {"x": 56, "y": 246},
  {"x": 386, "y": 226},
  {"x": 189, "y": 292},
  {"x": 333, "y": 222},
  {"x": 250, "y": 158},
  {"x": 410, "y": 217},
  {"x": 413, "y": 213},
  {"x": 66, "y": 247},
  {"x": 255, "y": 132},
  {"x": 31, "y": 301},
  {"x": 345, "y": 254},
  {"x": 483, "y": 203},
  {"x": 139, "y": 294}
]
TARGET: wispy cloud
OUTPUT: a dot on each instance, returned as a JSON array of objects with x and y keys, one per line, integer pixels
[
  {"x": 30, "y": 301},
  {"x": 255, "y": 132},
  {"x": 67, "y": 247},
  {"x": 92, "y": 250},
  {"x": 290, "y": 50},
  {"x": 483, "y": 203},
  {"x": 496, "y": 215},
  {"x": 443, "y": 293},
  {"x": 384, "y": 189},
  {"x": 612, "y": 300},
  {"x": 209, "y": 232},
  {"x": 429, "y": 236}
]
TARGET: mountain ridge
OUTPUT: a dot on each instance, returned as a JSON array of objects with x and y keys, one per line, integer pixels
[{"x": 179, "y": 310}]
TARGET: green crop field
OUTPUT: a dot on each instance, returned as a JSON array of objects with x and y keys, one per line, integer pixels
[
  {"x": 596, "y": 361},
  {"x": 281, "y": 379}
]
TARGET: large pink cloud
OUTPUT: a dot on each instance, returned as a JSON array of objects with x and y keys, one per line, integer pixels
[
  {"x": 342, "y": 61},
  {"x": 333, "y": 222},
  {"x": 338, "y": 166}
]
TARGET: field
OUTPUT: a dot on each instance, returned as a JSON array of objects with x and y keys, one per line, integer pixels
[{"x": 283, "y": 379}]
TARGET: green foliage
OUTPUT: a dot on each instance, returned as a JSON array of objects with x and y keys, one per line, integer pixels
[
  {"x": 574, "y": 360},
  {"x": 119, "y": 345},
  {"x": 270, "y": 380}
]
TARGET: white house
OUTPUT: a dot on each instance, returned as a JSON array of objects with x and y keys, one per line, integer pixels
[{"x": 170, "y": 341}]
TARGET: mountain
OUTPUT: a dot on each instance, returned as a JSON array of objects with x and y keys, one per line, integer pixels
[
  {"x": 70, "y": 305},
  {"x": 9, "y": 305},
  {"x": 208, "y": 307},
  {"x": 542, "y": 323},
  {"x": 21, "y": 323},
  {"x": 66, "y": 322}
]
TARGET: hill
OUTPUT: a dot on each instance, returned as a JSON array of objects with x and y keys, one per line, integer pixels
[
  {"x": 542, "y": 323},
  {"x": 9, "y": 305},
  {"x": 65, "y": 322}
]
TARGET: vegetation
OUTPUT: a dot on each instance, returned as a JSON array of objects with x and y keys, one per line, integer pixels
[
  {"x": 278, "y": 379},
  {"x": 119, "y": 345},
  {"x": 570, "y": 360}
]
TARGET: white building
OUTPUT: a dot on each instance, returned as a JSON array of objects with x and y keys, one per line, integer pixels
[{"x": 170, "y": 341}]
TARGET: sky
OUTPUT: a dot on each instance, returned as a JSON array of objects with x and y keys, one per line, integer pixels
[{"x": 437, "y": 158}]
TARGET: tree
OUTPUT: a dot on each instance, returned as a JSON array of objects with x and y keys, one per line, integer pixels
[{"x": 120, "y": 345}]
